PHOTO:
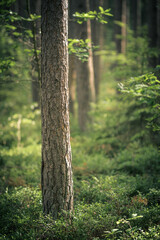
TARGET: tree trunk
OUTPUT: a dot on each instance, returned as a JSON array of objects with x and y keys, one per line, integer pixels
[
  {"x": 158, "y": 30},
  {"x": 57, "y": 185},
  {"x": 152, "y": 29},
  {"x": 90, "y": 58},
  {"x": 124, "y": 27},
  {"x": 83, "y": 93},
  {"x": 72, "y": 83},
  {"x": 82, "y": 83},
  {"x": 139, "y": 14},
  {"x": 136, "y": 16},
  {"x": 117, "y": 28},
  {"x": 98, "y": 38},
  {"x": 72, "y": 58}
]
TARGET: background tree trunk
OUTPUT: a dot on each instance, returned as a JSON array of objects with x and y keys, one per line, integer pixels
[
  {"x": 117, "y": 29},
  {"x": 152, "y": 29},
  {"x": 83, "y": 89},
  {"x": 158, "y": 30},
  {"x": 98, "y": 38},
  {"x": 124, "y": 27},
  {"x": 57, "y": 185},
  {"x": 72, "y": 59},
  {"x": 90, "y": 58}
]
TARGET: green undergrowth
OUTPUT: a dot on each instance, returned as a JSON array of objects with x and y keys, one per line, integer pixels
[
  {"x": 106, "y": 207},
  {"x": 116, "y": 174}
]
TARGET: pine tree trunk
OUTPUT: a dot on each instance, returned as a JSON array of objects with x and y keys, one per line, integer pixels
[
  {"x": 117, "y": 28},
  {"x": 158, "y": 30},
  {"x": 152, "y": 29},
  {"x": 83, "y": 92},
  {"x": 98, "y": 38},
  {"x": 82, "y": 83},
  {"x": 124, "y": 29},
  {"x": 72, "y": 59},
  {"x": 57, "y": 185},
  {"x": 136, "y": 15},
  {"x": 90, "y": 58},
  {"x": 72, "y": 83}
]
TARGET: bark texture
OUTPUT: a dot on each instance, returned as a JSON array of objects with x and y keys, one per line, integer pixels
[{"x": 57, "y": 185}]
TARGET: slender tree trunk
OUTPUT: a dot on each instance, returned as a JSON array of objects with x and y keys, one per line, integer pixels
[
  {"x": 136, "y": 15},
  {"x": 90, "y": 58},
  {"x": 117, "y": 28},
  {"x": 72, "y": 59},
  {"x": 57, "y": 185},
  {"x": 139, "y": 14},
  {"x": 98, "y": 38},
  {"x": 152, "y": 29},
  {"x": 82, "y": 83},
  {"x": 124, "y": 29},
  {"x": 158, "y": 30},
  {"x": 72, "y": 83},
  {"x": 83, "y": 92}
]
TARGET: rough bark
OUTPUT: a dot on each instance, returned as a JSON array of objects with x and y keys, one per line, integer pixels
[{"x": 57, "y": 185}]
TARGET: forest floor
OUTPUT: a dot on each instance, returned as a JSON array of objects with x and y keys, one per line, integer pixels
[{"x": 116, "y": 177}]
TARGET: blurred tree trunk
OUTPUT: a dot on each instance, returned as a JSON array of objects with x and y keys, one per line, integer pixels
[
  {"x": 152, "y": 29},
  {"x": 72, "y": 83},
  {"x": 82, "y": 83},
  {"x": 124, "y": 27},
  {"x": 57, "y": 185},
  {"x": 90, "y": 58},
  {"x": 98, "y": 38},
  {"x": 158, "y": 30},
  {"x": 134, "y": 16},
  {"x": 117, "y": 28},
  {"x": 72, "y": 59},
  {"x": 139, "y": 14},
  {"x": 36, "y": 8}
]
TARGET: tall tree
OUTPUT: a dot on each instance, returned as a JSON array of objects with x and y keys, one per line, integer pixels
[
  {"x": 152, "y": 29},
  {"x": 124, "y": 27},
  {"x": 57, "y": 184},
  {"x": 72, "y": 59},
  {"x": 83, "y": 89},
  {"x": 117, "y": 29},
  {"x": 158, "y": 29},
  {"x": 98, "y": 38},
  {"x": 135, "y": 8},
  {"x": 90, "y": 57}
]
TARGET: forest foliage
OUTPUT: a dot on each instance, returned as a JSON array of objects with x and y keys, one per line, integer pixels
[{"x": 116, "y": 162}]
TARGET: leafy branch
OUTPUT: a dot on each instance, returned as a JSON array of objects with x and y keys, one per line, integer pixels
[{"x": 93, "y": 15}]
